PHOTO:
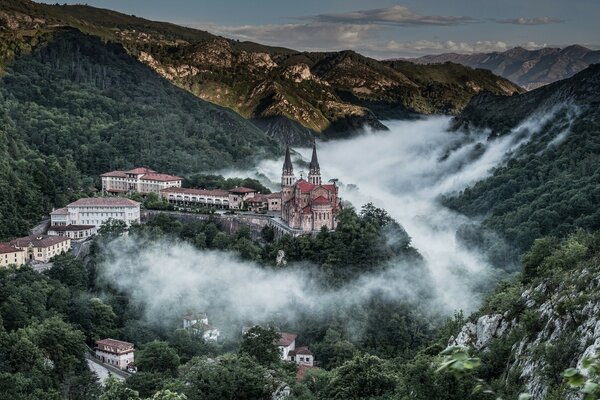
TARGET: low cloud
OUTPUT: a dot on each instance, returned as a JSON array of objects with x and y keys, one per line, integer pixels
[
  {"x": 396, "y": 15},
  {"x": 531, "y": 21}
]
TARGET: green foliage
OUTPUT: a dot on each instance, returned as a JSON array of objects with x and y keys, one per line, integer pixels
[
  {"x": 586, "y": 380},
  {"x": 219, "y": 182},
  {"x": 260, "y": 344},
  {"x": 158, "y": 357}
]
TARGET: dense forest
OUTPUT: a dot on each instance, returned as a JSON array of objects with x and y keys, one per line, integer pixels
[{"x": 76, "y": 107}]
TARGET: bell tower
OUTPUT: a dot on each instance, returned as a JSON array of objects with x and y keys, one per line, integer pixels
[{"x": 314, "y": 173}]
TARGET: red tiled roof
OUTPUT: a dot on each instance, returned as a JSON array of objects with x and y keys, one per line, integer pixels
[
  {"x": 276, "y": 195},
  {"x": 321, "y": 200},
  {"x": 104, "y": 202},
  {"x": 141, "y": 171},
  {"x": 305, "y": 186},
  {"x": 70, "y": 228},
  {"x": 116, "y": 344},
  {"x": 115, "y": 174},
  {"x": 160, "y": 177},
  {"x": 330, "y": 187},
  {"x": 38, "y": 241},
  {"x": 60, "y": 211},
  {"x": 258, "y": 198},
  {"x": 303, "y": 351},
  {"x": 8, "y": 248},
  {"x": 197, "y": 192},
  {"x": 286, "y": 339},
  {"x": 307, "y": 210},
  {"x": 241, "y": 190}
]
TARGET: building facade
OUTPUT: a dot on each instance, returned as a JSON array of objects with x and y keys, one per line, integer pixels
[
  {"x": 10, "y": 255},
  {"x": 196, "y": 197},
  {"x": 115, "y": 352},
  {"x": 94, "y": 211},
  {"x": 73, "y": 232},
  {"x": 41, "y": 247},
  {"x": 308, "y": 205},
  {"x": 139, "y": 180}
]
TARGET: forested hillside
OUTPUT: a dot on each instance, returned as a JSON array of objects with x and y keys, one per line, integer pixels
[
  {"x": 290, "y": 94},
  {"x": 551, "y": 186},
  {"x": 75, "y": 107}
]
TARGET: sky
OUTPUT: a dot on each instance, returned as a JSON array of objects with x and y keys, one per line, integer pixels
[{"x": 383, "y": 28}]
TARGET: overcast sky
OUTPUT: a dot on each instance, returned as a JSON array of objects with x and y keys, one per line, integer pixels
[{"x": 383, "y": 28}]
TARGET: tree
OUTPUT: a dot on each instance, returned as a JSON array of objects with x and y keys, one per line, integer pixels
[
  {"x": 228, "y": 377},
  {"x": 260, "y": 344},
  {"x": 159, "y": 357},
  {"x": 362, "y": 377},
  {"x": 69, "y": 271},
  {"x": 112, "y": 228},
  {"x": 116, "y": 390}
]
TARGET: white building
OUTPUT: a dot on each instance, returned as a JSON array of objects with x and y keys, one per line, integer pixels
[
  {"x": 10, "y": 255},
  {"x": 140, "y": 180},
  {"x": 41, "y": 247},
  {"x": 115, "y": 352},
  {"x": 301, "y": 356},
  {"x": 95, "y": 211},
  {"x": 198, "y": 324},
  {"x": 73, "y": 232},
  {"x": 196, "y": 197},
  {"x": 286, "y": 343}
]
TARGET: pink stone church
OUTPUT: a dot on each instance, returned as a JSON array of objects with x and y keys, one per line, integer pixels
[{"x": 308, "y": 204}]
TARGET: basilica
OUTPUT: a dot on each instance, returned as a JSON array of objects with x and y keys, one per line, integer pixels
[{"x": 308, "y": 205}]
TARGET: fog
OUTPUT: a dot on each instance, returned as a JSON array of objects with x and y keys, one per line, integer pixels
[{"x": 404, "y": 171}]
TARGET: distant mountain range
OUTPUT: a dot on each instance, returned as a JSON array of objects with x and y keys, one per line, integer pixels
[
  {"x": 528, "y": 68},
  {"x": 289, "y": 94}
]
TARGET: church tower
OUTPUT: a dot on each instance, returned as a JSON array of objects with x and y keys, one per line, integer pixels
[
  {"x": 314, "y": 173},
  {"x": 287, "y": 174}
]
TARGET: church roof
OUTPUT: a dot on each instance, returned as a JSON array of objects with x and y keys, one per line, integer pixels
[
  {"x": 305, "y": 186},
  {"x": 287, "y": 164},
  {"x": 307, "y": 210},
  {"x": 321, "y": 200},
  {"x": 314, "y": 162}
]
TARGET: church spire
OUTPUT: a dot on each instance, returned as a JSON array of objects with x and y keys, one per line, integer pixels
[
  {"x": 287, "y": 164},
  {"x": 314, "y": 162},
  {"x": 287, "y": 173},
  {"x": 314, "y": 174}
]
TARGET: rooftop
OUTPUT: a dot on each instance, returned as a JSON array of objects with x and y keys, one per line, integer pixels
[
  {"x": 117, "y": 344},
  {"x": 8, "y": 248},
  {"x": 70, "y": 228},
  {"x": 38, "y": 241},
  {"x": 60, "y": 211},
  {"x": 196, "y": 316},
  {"x": 104, "y": 202},
  {"x": 160, "y": 177},
  {"x": 286, "y": 339},
  {"x": 140, "y": 171},
  {"x": 321, "y": 200},
  {"x": 242, "y": 190}
]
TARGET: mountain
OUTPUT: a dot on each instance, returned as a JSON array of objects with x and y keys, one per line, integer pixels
[
  {"x": 73, "y": 106},
  {"x": 528, "y": 68},
  {"x": 550, "y": 185},
  {"x": 280, "y": 89}
]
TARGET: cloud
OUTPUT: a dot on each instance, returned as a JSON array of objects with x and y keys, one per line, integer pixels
[
  {"x": 396, "y": 15},
  {"x": 531, "y": 21},
  {"x": 314, "y": 36}
]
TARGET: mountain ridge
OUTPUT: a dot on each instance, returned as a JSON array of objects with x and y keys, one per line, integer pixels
[
  {"x": 528, "y": 68},
  {"x": 329, "y": 93}
]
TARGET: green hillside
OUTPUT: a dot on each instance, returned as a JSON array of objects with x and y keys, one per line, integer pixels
[{"x": 89, "y": 107}]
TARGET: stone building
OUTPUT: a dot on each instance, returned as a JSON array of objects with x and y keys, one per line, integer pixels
[
  {"x": 115, "y": 352},
  {"x": 139, "y": 180},
  {"x": 10, "y": 255},
  {"x": 73, "y": 232},
  {"x": 41, "y": 247},
  {"x": 184, "y": 197},
  {"x": 308, "y": 205}
]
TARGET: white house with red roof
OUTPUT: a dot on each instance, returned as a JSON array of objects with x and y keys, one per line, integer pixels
[
  {"x": 140, "y": 180},
  {"x": 115, "y": 352},
  {"x": 94, "y": 211},
  {"x": 289, "y": 352},
  {"x": 308, "y": 205},
  {"x": 198, "y": 324}
]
